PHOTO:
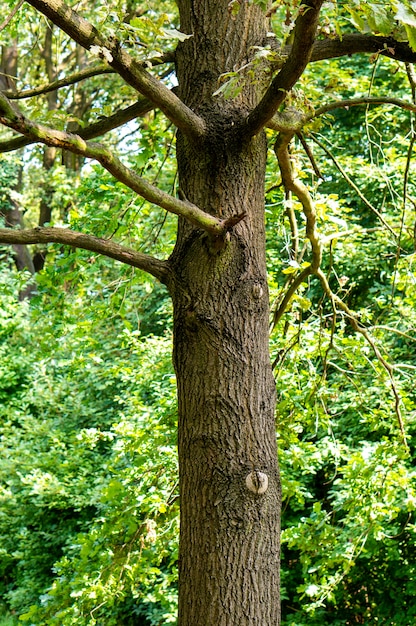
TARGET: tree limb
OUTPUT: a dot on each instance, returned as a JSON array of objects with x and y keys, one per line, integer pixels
[
  {"x": 361, "y": 44},
  {"x": 291, "y": 183},
  {"x": 63, "y": 82},
  {"x": 84, "y": 33},
  {"x": 155, "y": 267},
  {"x": 77, "y": 77},
  {"x": 10, "y": 116},
  {"x": 299, "y": 56},
  {"x": 97, "y": 129},
  {"x": 300, "y": 190},
  {"x": 11, "y": 15},
  {"x": 353, "y": 102},
  {"x": 291, "y": 120},
  {"x": 284, "y": 302}
]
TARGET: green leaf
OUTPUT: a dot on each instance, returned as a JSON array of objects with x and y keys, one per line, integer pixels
[
  {"x": 411, "y": 35},
  {"x": 172, "y": 33},
  {"x": 379, "y": 19},
  {"x": 406, "y": 14}
]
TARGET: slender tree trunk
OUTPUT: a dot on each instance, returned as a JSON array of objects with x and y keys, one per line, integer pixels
[{"x": 229, "y": 481}]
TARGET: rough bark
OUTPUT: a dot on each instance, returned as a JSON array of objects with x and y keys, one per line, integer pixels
[{"x": 229, "y": 545}]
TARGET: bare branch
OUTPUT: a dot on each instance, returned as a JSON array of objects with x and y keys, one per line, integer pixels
[
  {"x": 353, "y": 102},
  {"x": 292, "y": 184},
  {"x": 310, "y": 155},
  {"x": 300, "y": 190},
  {"x": 10, "y": 116},
  {"x": 84, "y": 33},
  {"x": 285, "y": 301},
  {"x": 291, "y": 120},
  {"x": 390, "y": 329},
  {"x": 77, "y": 77},
  {"x": 299, "y": 56},
  {"x": 109, "y": 248},
  {"x": 11, "y": 15},
  {"x": 63, "y": 82}
]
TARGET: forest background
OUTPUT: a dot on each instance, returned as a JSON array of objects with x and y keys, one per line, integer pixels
[{"x": 88, "y": 465}]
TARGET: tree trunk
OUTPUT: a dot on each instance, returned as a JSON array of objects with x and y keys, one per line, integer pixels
[{"x": 229, "y": 481}]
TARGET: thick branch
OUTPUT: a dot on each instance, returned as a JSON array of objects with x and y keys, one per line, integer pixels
[
  {"x": 11, "y": 117},
  {"x": 300, "y": 190},
  {"x": 292, "y": 184},
  {"x": 84, "y": 33},
  {"x": 292, "y": 70},
  {"x": 357, "y": 43},
  {"x": 144, "y": 262},
  {"x": 98, "y": 129}
]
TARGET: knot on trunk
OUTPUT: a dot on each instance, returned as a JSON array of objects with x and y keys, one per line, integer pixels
[{"x": 257, "y": 482}]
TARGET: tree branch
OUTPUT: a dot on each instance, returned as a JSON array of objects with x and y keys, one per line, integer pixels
[
  {"x": 77, "y": 77},
  {"x": 10, "y": 116},
  {"x": 63, "y": 82},
  {"x": 300, "y": 190},
  {"x": 97, "y": 129},
  {"x": 291, "y": 120},
  {"x": 353, "y": 102},
  {"x": 361, "y": 44},
  {"x": 84, "y": 33},
  {"x": 291, "y": 183},
  {"x": 11, "y": 15},
  {"x": 155, "y": 267},
  {"x": 299, "y": 56}
]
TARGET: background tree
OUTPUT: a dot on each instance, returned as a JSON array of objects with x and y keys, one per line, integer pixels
[{"x": 216, "y": 274}]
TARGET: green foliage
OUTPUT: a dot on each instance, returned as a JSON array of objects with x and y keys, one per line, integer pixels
[
  {"x": 8, "y": 620},
  {"x": 9, "y": 178},
  {"x": 348, "y": 481},
  {"x": 88, "y": 470}
]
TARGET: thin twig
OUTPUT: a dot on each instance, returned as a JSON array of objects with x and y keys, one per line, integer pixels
[
  {"x": 11, "y": 15},
  {"x": 389, "y": 369},
  {"x": 353, "y": 185},
  {"x": 298, "y": 280},
  {"x": 63, "y": 82},
  {"x": 310, "y": 155},
  {"x": 411, "y": 75}
]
